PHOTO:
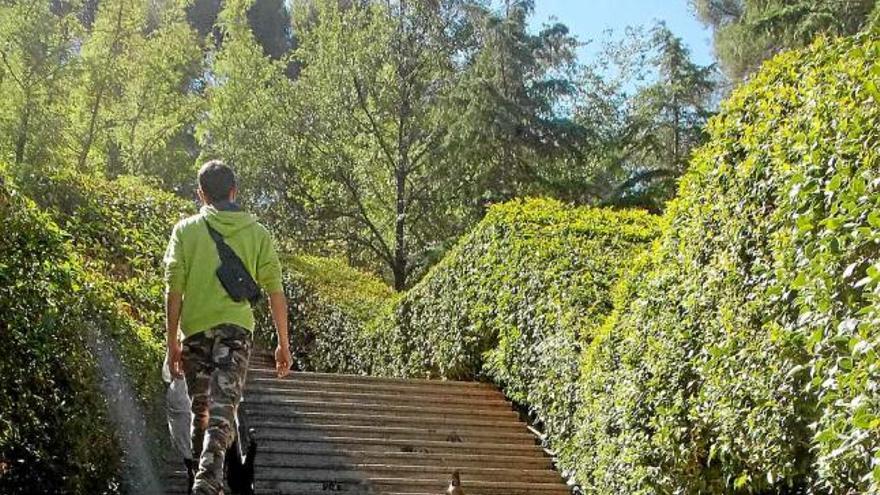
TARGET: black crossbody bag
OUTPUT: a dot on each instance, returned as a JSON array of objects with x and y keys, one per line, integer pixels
[{"x": 234, "y": 277}]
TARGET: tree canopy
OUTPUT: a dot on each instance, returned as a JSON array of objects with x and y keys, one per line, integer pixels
[
  {"x": 372, "y": 130},
  {"x": 747, "y": 32}
]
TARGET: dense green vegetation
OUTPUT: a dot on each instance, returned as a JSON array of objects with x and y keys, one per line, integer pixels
[
  {"x": 748, "y": 32},
  {"x": 121, "y": 229},
  {"x": 55, "y": 435},
  {"x": 742, "y": 353},
  {"x": 330, "y": 304},
  {"x": 515, "y": 302}
]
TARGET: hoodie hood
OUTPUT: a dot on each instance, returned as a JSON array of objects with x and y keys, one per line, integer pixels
[{"x": 227, "y": 222}]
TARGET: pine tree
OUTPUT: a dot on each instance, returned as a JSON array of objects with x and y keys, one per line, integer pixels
[
  {"x": 36, "y": 65},
  {"x": 747, "y": 32},
  {"x": 508, "y": 119},
  {"x": 117, "y": 32}
]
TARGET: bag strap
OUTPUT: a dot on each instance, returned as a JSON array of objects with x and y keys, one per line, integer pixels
[{"x": 218, "y": 239}]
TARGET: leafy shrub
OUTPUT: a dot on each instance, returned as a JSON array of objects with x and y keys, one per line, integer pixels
[
  {"x": 114, "y": 235},
  {"x": 329, "y": 305},
  {"x": 742, "y": 353},
  {"x": 121, "y": 228},
  {"x": 515, "y": 302},
  {"x": 53, "y": 432}
]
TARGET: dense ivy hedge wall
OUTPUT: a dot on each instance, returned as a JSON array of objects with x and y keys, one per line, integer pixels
[
  {"x": 742, "y": 352},
  {"x": 330, "y": 305},
  {"x": 121, "y": 227},
  {"x": 107, "y": 237},
  {"x": 515, "y": 301},
  {"x": 54, "y": 435}
]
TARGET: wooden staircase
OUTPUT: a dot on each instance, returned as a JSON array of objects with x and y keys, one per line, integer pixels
[{"x": 324, "y": 433}]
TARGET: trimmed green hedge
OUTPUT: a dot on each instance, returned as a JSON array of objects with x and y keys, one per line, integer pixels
[
  {"x": 330, "y": 304},
  {"x": 54, "y": 434},
  {"x": 515, "y": 302},
  {"x": 742, "y": 353},
  {"x": 87, "y": 291},
  {"x": 121, "y": 228}
]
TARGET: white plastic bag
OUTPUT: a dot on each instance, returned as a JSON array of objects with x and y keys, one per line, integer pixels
[{"x": 178, "y": 410}]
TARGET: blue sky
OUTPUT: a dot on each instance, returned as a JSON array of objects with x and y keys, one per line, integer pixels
[{"x": 589, "y": 18}]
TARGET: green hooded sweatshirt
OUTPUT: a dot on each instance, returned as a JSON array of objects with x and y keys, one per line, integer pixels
[{"x": 191, "y": 262}]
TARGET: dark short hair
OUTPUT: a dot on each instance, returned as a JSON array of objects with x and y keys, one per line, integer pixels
[{"x": 216, "y": 179}]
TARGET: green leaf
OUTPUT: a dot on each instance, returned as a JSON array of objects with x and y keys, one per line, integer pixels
[{"x": 871, "y": 86}]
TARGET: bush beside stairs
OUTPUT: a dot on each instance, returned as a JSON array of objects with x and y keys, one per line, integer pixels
[{"x": 321, "y": 433}]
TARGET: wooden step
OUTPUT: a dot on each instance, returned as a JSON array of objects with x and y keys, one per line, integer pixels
[
  {"x": 347, "y": 406},
  {"x": 269, "y": 444},
  {"x": 422, "y": 398},
  {"x": 445, "y": 449},
  {"x": 355, "y": 472},
  {"x": 355, "y": 419},
  {"x": 305, "y": 432},
  {"x": 417, "y": 485},
  {"x": 298, "y": 381},
  {"x": 450, "y": 461},
  {"x": 269, "y": 370},
  {"x": 293, "y": 406}
]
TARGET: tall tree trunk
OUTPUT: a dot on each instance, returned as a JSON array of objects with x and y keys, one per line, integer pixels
[
  {"x": 90, "y": 135},
  {"x": 99, "y": 96},
  {"x": 114, "y": 160},
  {"x": 676, "y": 133},
  {"x": 400, "y": 232},
  {"x": 402, "y": 168},
  {"x": 23, "y": 131}
]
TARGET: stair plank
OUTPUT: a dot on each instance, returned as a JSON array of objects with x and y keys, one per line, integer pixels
[
  {"x": 332, "y": 457},
  {"x": 300, "y": 381},
  {"x": 256, "y": 414},
  {"x": 295, "y": 405},
  {"x": 421, "y": 398},
  {"x": 268, "y": 369},
  {"x": 273, "y": 428}
]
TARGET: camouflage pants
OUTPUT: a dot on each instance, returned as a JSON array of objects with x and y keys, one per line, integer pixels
[{"x": 215, "y": 364}]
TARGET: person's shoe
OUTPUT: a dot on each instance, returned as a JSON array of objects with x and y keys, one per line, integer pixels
[
  {"x": 240, "y": 470},
  {"x": 190, "y": 474},
  {"x": 248, "y": 470}
]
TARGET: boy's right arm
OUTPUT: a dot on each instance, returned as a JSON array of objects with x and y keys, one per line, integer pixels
[
  {"x": 278, "y": 306},
  {"x": 269, "y": 278}
]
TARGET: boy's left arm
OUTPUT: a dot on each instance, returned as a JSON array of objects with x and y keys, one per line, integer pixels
[
  {"x": 175, "y": 270},
  {"x": 173, "y": 305}
]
